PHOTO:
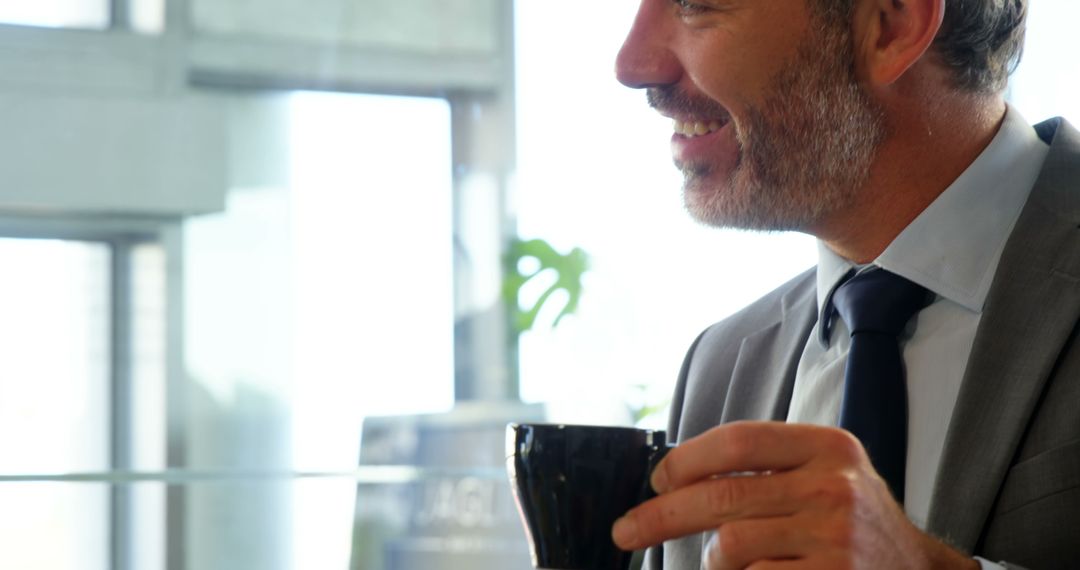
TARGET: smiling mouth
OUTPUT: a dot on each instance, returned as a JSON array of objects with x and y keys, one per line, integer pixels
[{"x": 691, "y": 129}]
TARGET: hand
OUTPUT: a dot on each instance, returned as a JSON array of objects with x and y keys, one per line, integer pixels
[{"x": 781, "y": 496}]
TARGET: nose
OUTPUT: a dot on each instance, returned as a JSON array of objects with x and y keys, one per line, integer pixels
[{"x": 646, "y": 59}]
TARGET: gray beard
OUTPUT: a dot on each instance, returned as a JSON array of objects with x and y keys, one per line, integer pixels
[{"x": 804, "y": 152}]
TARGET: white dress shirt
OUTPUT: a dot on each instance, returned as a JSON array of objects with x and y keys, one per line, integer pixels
[{"x": 952, "y": 248}]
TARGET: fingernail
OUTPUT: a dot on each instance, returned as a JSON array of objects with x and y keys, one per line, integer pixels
[
  {"x": 659, "y": 480},
  {"x": 624, "y": 533}
]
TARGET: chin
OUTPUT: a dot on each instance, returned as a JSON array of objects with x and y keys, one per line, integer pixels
[{"x": 731, "y": 205}]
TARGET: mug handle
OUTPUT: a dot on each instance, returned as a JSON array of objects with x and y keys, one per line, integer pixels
[{"x": 660, "y": 449}]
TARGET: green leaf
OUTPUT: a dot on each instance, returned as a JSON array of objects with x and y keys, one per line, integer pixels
[{"x": 569, "y": 269}]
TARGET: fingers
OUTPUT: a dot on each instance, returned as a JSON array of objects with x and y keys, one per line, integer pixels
[
  {"x": 706, "y": 505},
  {"x": 778, "y": 542},
  {"x": 775, "y": 496},
  {"x": 752, "y": 447},
  {"x": 788, "y": 481},
  {"x": 737, "y": 545}
]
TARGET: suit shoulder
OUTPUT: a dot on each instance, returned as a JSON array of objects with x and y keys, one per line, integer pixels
[
  {"x": 717, "y": 346},
  {"x": 1057, "y": 191},
  {"x": 768, "y": 309},
  {"x": 704, "y": 379}
]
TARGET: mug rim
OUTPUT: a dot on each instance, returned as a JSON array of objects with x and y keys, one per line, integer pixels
[{"x": 554, "y": 425}]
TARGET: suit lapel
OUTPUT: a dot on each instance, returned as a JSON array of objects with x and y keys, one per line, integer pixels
[
  {"x": 759, "y": 387},
  {"x": 1029, "y": 314},
  {"x": 764, "y": 373}
]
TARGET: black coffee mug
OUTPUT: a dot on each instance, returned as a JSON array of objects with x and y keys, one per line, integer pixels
[{"x": 571, "y": 482}]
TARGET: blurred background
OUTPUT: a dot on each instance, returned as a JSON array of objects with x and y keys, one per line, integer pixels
[{"x": 277, "y": 274}]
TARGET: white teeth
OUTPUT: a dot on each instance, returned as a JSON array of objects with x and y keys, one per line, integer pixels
[{"x": 692, "y": 129}]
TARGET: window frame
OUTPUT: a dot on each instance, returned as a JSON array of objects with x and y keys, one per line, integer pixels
[{"x": 119, "y": 63}]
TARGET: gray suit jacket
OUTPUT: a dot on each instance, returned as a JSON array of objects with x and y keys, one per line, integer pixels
[{"x": 1008, "y": 487}]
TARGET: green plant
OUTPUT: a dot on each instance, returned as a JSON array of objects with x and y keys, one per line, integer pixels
[{"x": 569, "y": 269}]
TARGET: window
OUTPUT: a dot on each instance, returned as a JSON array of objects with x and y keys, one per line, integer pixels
[
  {"x": 72, "y": 394},
  {"x": 54, "y": 400},
  {"x": 323, "y": 294},
  {"x": 143, "y": 16},
  {"x": 1047, "y": 83},
  {"x": 89, "y": 14}
]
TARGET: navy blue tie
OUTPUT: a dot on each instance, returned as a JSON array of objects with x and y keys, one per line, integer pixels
[{"x": 876, "y": 305}]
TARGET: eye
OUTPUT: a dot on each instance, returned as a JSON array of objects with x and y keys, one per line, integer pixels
[{"x": 689, "y": 8}]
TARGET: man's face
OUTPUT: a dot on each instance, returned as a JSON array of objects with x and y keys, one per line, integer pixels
[{"x": 772, "y": 130}]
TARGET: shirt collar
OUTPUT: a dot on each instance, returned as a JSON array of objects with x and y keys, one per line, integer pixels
[
  {"x": 953, "y": 247},
  {"x": 832, "y": 270}
]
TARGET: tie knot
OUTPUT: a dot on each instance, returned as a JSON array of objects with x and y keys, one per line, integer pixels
[{"x": 878, "y": 301}]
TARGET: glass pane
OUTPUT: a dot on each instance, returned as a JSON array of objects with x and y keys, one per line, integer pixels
[
  {"x": 89, "y": 14},
  {"x": 371, "y": 219},
  {"x": 459, "y": 515},
  {"x": 54, "y": 400},
  {"x": 323, "y": 295},
  {"x": 1047, "y": 84},
  {"x": 147, "y": 16},
  {"x": 394, "y": 518},
  {"x": 50, "y": 527},
  {"x": 656, "y": 277}
]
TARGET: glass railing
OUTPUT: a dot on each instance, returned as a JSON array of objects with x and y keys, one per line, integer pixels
[{"x": 392, "y": 517}]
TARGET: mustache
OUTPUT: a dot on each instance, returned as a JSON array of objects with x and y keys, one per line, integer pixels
[{"x": 672, "y": 101}]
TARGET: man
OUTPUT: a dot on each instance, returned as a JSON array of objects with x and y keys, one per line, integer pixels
[{"x": 877, "y": 126}]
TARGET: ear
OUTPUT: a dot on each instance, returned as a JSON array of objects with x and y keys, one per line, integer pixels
[{"x": 891, "y": 35}]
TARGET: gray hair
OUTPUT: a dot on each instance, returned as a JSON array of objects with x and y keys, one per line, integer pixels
[{"x": 980, "y": 41}]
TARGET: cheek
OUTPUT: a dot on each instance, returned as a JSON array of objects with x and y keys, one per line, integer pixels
[
  {"x": 731, "y": 77},
  {"x": 735, "y": 64}
]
